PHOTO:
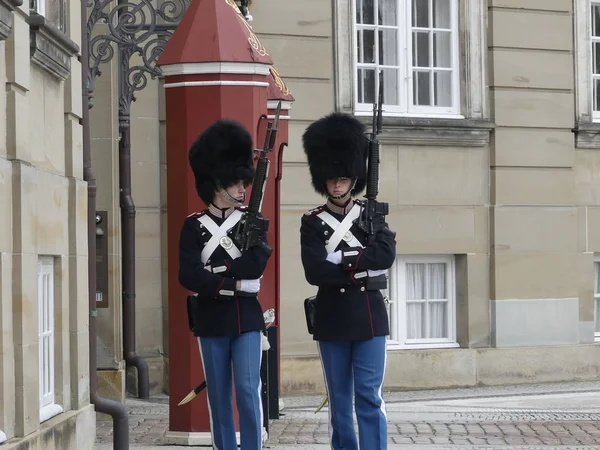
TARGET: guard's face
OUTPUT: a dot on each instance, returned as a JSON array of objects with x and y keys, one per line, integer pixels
[
  {"x": 338, "y": 186},
  {"x": 237, "y": 191}
]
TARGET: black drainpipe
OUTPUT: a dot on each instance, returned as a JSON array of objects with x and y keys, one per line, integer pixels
[
  {"x": 128, "y": 251},
  {"x": 103, "y": 405}
]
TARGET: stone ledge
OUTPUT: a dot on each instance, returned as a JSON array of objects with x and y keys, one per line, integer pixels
[
  {"x": 587, "y": 135},
  {"x": 433, "y": 132},
  {"x": 71, "y": 430},
  {"x": 6, "y": 16},
  {"x": 50, "y": 48},
  {"x": 458, "y": 368}
]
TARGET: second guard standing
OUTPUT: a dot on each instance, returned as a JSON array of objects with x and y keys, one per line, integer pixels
[{"x": 350, "y": 319}]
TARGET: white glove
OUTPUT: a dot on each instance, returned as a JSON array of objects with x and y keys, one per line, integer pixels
[
  {"x": 250, "y": 286},
  {"x": 376, "y": 273},
  {"x": 209, "y": 268},
  {"x": 264, "y": 343},
  {"x": 335, "y": 258}
]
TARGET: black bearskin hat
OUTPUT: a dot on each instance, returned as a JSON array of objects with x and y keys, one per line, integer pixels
[
  {"x": 336, "y": 146},
  {"x": 221, "y": 154}
]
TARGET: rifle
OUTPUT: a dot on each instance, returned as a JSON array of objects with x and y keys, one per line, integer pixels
[
  {"x": 252, "y": 226},
  {"x": 372, "y": 218}
]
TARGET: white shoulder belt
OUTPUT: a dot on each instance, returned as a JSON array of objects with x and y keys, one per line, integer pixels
[{"x": 341, "y": 229}]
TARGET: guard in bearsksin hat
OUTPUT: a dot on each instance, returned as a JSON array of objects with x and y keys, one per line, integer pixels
[
  {"x": 350, "y": 319},
  {"x": 226, "y": 316}
]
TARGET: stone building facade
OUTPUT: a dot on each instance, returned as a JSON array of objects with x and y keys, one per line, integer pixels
[
  {"x": 490, "y": 166},
  {"x": 44, "y": 345},
  {"x": 488, "y": 163}
]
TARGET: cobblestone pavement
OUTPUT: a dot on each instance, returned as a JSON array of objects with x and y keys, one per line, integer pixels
[{"x": 556, "y": 416}]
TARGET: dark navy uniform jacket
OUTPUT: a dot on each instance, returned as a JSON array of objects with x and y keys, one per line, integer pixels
[
  {"x": 347, "y": 306},
  {"x": 221, "y": 309}
]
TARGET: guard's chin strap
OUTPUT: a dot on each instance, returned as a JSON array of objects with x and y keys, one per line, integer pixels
[
  {"x": 228, "y": 197},
  {"x": 339, "y": 197}
]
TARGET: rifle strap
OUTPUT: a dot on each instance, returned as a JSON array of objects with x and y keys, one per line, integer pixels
[
  {"x": 219, "y": 235},
  {"x": 341, "y": 229}
]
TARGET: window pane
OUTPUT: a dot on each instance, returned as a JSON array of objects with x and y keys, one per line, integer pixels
[
  {"x": 442, "y": 88},
  {"x": 391, "y": 88},
  {"x": 441, "y": 14},
  {"x": 366, "y": 85},
  {"x": 364, "y": 12},
  {"x": 359, "y": 46},
  {"x": 55, "y": 13},
  {"x": 46, "y": 341},
  {"x": 415, "y": 319},
  {"x": 420, "y": 13},
  {"x": 421, "y": 48},
  {"x": 438, "y": 320},
  {"x": 597, "y": 311},
  {"x": 421, "y": 85},
  {"x": 596, "y": 84},
  {"x": 596, "y": 278},
  {"x": 442, "y": 49},
  {"x": 597, "y": 314},
  {"x": 415, "y": 281},
  {"x": 436, "y": 275},
  {"x": 387, "y": 12},
  {"x": 388, "y": 47},
  {"x": 596, "y": 58},
  {"x": 595, "y": 20},
  {"x": 366, "y": 46}
]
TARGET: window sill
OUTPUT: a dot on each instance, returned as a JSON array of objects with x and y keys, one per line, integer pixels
[
  {"x": 425, "y": 346},
  {"x": 50, "y": 48},
  {"x": 50, "y": 411},
  {"x": 587, "y": 135},
  {"x": 6, "y": 16},
  {"x": 437, "y": 132}
]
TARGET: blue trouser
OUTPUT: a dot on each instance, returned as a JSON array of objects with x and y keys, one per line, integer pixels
[
  {"x": 362, "y": 364},
  {"x": 218, "y": 354}
]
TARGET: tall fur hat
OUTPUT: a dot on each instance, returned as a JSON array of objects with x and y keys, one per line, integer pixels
[
  {"x": 336, "y": 146},
  {"x": 221, "y": 154}
]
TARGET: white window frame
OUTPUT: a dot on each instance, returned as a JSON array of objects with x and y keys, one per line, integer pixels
[
  {"x": 40, "y": 7},
  {"x": 396, "y": 292},
  {"x": 46, "y": 338},
  {"x": 596, "y": 297},
  {"x": 472, "y": 98},
  {"x": 405, "y": 65},
  {"x": 583, "y": 62}
]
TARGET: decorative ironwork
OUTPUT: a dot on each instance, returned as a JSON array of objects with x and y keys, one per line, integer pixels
[
  {"x": 139, "y": 28},
  {"x": 132, "y": 30}
]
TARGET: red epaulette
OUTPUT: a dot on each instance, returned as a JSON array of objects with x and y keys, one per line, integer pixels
[
  {"x": 314, "y": 211},
  {"x": 196, "y": 214}
]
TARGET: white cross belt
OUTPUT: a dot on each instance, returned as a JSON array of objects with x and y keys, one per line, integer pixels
[
  {"x": 219, "y": 235},
  {"x": 342, "y": 229}
]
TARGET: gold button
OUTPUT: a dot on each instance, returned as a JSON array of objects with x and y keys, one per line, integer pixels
[
  {"x": 342, "y": 290},
  {"x": 362, "y": 288}
]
